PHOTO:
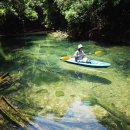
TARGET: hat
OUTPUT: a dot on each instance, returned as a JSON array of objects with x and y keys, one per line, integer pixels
[{"x": 80, "y": 46}]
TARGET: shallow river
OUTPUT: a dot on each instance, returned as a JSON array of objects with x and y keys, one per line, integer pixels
[{"x": 58, "y": 95}]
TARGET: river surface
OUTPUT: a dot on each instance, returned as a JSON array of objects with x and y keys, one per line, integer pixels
[{"x": 60, "y": 95}]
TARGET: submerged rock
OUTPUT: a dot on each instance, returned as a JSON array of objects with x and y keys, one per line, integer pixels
[
  {"x": 59, "y": 93},
  {"x": 42, "y": 91}
]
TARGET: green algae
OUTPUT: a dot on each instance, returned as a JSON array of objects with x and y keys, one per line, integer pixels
[{"x": 48, "y": 85}]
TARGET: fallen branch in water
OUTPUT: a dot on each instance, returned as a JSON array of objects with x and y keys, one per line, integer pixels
[
  {"x": 13, "y": 115},
  {"x": 5, "y": 79}
]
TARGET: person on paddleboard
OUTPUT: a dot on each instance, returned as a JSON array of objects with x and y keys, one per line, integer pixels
[{"x": 79, "y": 54}]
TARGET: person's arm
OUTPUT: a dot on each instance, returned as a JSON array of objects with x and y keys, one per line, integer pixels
[
  {"x": 76, "y": 54},
  {"x": 83, "y": 54}
]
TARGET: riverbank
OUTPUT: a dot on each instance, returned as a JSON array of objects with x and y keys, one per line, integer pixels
[{"x": 62, "y": 35}]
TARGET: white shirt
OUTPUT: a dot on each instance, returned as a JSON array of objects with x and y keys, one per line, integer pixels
[{"x": 79, "y": 55}]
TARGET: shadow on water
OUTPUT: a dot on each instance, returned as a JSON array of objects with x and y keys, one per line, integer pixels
[
  {"x": 38, "y": 74},
  {"x": 88, "y": 77},
  {"x": 39, "y": 77}
]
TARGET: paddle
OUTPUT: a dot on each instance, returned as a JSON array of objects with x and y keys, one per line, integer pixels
[
  {"x": 64, "y": 58},
  {"x": 98, "y": 52}
]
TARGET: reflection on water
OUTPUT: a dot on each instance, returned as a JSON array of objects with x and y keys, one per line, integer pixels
[{"x": 78, "y": 117}]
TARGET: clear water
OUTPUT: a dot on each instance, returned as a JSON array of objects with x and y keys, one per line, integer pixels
[
  {"x": 45, "y": 85},
  {"x": 79, "y": 116}
]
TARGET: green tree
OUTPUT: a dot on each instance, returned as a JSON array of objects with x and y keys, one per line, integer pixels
[{"x": 81, "y": 18}]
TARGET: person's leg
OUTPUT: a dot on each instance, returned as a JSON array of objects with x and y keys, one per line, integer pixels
[{"x": 82, "y": 61}]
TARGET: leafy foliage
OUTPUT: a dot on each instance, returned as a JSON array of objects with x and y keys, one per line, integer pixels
[
  {"x": 81, "y": 18},
  {"x": 74, "y": 11}
]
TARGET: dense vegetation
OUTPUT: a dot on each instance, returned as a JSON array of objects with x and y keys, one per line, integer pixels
[{"x": 93, "y": 19}]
